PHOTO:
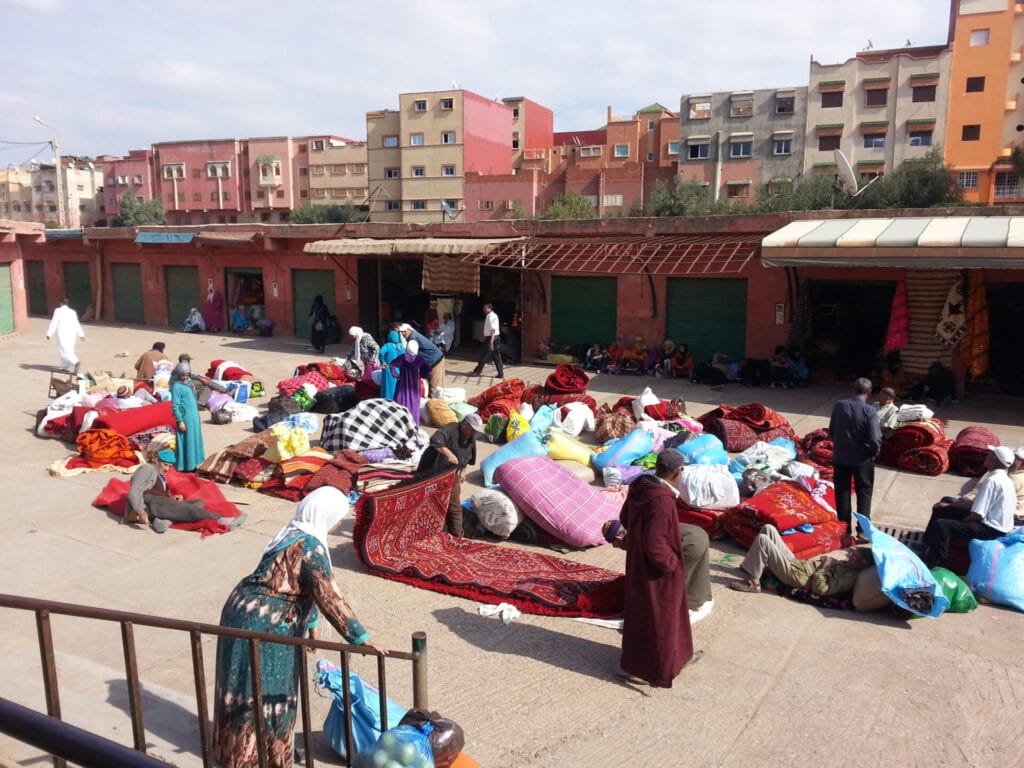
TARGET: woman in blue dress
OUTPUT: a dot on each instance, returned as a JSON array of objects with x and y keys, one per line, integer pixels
[
  {"x": 292, "y": 584},
  {"x": 388, "y": 353},
  {"x": 188, "y": 448}
]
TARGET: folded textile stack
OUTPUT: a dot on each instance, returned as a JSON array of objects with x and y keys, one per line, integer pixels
[
  {"x": 711, "y": 520},
  {"x": 905, "y": 449},
  {"x": 816, "y": 450},
  {"x": 786, "y": 505},
  {"x": 739, "y": 427},
  {"x": 502, "y": 398},
  {"x": 970, "y": 448}
]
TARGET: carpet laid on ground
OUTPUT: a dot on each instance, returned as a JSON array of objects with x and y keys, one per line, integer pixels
[{"x": 399, "y": 535}]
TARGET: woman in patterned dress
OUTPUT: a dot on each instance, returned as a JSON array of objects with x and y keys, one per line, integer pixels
[{"x": 284, "y": 596}]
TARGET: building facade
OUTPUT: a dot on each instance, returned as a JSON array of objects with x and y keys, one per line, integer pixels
[
  {"x": 133, "y": 174},
  {"x": 334, "y": 171},
  {"x": 986, "y": 107}
]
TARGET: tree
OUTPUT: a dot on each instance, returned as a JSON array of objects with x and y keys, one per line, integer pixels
[
  {"x": 917, "y": 183},
  {"x": 135, "y": 214},
  {"x": 679, "y": 197},
  {"x": 327, "y": 214},
  {"x": 571, "y": 205}
]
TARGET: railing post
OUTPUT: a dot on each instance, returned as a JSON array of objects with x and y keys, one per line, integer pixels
[
  {"x": 307, "y": 721},
  {"x": 199, "y": 678},
  {"x": 346, "y": 682},
  {"x": 131, "y": 669},
  {"x": 382, "y": 688},
  {"x": 49, "y": 672},
  {"x": 419, "y": 671},
  {"x": 259, "y": 721}
]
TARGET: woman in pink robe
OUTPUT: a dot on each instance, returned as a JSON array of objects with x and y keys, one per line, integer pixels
[{"x": 213, "y": 311}]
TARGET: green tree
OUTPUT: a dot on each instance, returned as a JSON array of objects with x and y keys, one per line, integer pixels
[
  {"x": 814, "y": 192},
  {"x": 680, "y": 197},
  {"x": 327, "y": 214},
  {"x": 571, "y": 205},
  {"x": 135, "y": 214},
  {"x": 918, "y": 183}
]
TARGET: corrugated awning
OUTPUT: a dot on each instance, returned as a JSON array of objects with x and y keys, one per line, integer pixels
[
  {"x": 670, "y": 255},
  {"x": 219, "y": 239},
  {"x": 415, "y": 246},
  {"x": 938, "y": 242},
  {"x": 164, "y": 238},
  {"x": 64, "y": 234}
]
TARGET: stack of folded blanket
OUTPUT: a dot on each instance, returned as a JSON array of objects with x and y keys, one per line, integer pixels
[
  {"x": 969, "y": 450},
  {"x": 739, "y": 427},
  {"x": 502, "y": 398},
  {"x": 906, "y": 449}
]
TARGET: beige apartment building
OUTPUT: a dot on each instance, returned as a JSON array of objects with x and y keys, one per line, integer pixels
[
  {"x": 879, "y": 107},
  {"x": 336, "y": 172},
  {"x": 15, "y": 195}
]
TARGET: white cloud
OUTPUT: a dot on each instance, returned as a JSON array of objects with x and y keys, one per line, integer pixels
[{"x": 37, "y": 6}]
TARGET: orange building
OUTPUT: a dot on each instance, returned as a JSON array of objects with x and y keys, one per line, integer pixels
[{"x": 986, "y": 107}]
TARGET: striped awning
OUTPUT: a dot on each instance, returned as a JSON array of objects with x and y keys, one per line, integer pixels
[
  {"x": 425, "y": 246},
  {"x": 950, "y": 242}
]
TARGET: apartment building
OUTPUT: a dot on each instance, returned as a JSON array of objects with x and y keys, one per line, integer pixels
[
  {"x": 200, "y": 182},
  {"x": 736, "y": 142},
  {"x": 334, "y": 171},
  {"x": 532, "y": 126},
  {"x": 880, "y": 108},
  {"x": 16, "y": 194},
  {"x": 132, "y": 173},
  {"x": 419, "y": 154},
  {"x": 986, "y": 109}
]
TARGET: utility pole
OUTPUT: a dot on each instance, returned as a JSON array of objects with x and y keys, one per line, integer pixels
[{"x": 61, "y": 218}]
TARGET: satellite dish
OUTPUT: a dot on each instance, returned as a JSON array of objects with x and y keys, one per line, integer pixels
[
  {"x": 448, "y": 210},
  {"x": 847, "y": 175}
]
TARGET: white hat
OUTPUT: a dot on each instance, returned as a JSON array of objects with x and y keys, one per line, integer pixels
[
  {"x": 1002, "y": 453},
  {"x": 404, "y": 327},
  {"x": 355, "y": 331},
  {"x": 1019, "y": 453},
  {"x": 413, "y": 347}
]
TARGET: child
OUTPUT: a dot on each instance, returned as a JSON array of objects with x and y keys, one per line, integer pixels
[{"x": 596, "y": 358}]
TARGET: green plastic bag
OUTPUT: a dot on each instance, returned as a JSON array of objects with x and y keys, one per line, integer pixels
[
  {"x": 496, "y": 427},
  {"x": 961, "y": 599},
  {"x": 303, "y": 399}
]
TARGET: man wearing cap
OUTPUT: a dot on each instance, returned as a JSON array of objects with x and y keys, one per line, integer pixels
[
  {"x": 429, "y": 352},
  {"x": 656, "y": 638},
  {"x": 989, "y": 516},
  {"x": 453, "y": 445},
  {"x": 150, "y": 502}
]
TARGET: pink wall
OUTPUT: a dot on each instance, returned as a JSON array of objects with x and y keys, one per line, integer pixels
[
  {"x": 195, "y": 155},
  {"x": 538, "y": 125},
  {"x": 486, "y": 135},
  {"x": 12, "y": 247}
]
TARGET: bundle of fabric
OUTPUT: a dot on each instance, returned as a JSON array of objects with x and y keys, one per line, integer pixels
[
  {"x": 114, "y": 498},
  {"x": 373, "y": 478},
  {"x": 226, "y": 370},
  {"x": 399, "y": 535},
  {"x": 930, "y": 460},
  {"x": 333, "y": 372},
  {"x": 375, "y": 423},
  {"x": 547, "y": 398},
  {"x": 339, "y": 472},
  {"x": 610, "y": 424},
  {"x": 815, "y": 450},
  {"x": 141, "y": 441},
  {"x": 760, "y": 417},
  {"x": 289, "y": 387},
  {"x": 295, "y": 473},
  {"x": 253, "y": 473},
  {"x": 220, "y": 467},
  {"x": 510, "y": 389},
  {"x": 131, "y": 421},
  {"x": 568, "y": 379},
  {"x": 967, "y": 456},
  {"x": 917, "y": 434},
  {"x": 102, "y": 447},
  {"x": 787, "y": 504},
  {"x": 738, "y": 436},
  {"x": 711, "y": 520}
]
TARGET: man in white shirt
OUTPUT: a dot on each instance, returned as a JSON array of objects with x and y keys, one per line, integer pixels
[
  {"x": 64, "y": 324},
  {"x": 492, "y": 346},
  {"x": 989, "y": 516},
  {"x": 446, "y": 332}
]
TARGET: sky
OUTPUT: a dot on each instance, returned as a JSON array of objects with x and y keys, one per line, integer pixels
[{"x": 114, "y": 75}]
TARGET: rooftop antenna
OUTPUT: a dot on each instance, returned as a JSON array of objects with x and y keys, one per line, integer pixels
[
  {"x": 869, "y": 46},
  {"x": 848, "y": 177}
]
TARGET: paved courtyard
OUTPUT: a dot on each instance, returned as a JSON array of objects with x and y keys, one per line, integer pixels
[{"x": 782, "y": 684}]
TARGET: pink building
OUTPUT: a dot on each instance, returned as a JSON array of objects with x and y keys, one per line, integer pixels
[
  {"x": 200, "y": 182},
  {"x": 122, "y": 174}
]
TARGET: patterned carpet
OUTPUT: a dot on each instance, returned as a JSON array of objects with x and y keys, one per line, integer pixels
[{"x": 399, "y": 536}]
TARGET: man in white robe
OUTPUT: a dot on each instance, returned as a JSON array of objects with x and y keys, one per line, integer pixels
[{"x": 65, "y": 326}]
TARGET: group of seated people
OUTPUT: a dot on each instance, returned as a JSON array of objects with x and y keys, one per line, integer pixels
[
  {"x": 665, "y": 359},
  {"x": 938, "y": 385}
]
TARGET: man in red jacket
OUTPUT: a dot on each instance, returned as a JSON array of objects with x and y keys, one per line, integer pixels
[{"x": 656, "y": 638}]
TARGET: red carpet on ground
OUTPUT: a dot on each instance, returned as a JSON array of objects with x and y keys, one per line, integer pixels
[{"x": 399, "y": 536}]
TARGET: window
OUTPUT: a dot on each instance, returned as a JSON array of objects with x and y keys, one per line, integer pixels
[
  {"x": 967, "y": 180},
  {"x": 339, "y": 193},
  {"x": 218, "y": 170},
  {"x": 920, "y": 138},
  {"x": 650, "y": 157},
  {"x": 515, "y": 113},
  {"x": 699, "y": 151},
  {"x": 613, "y": 201},
  {"x": 262, "y": 193},
  {"x": 416, "y": 139},
  {"x": 279, "y": 194},
  {"x": 419, "y": 171},
  {"x": 448, "y": 137},
  {"x": 831, "y": 99},
  {"x": 971, "y": 133},
  {"x": 1007, "y": 185},
  {"x": 303, "y": 171},
  {"x": 979, "y": 37},
  {"x": 593, "y": 151},
  {"x": 738, "y": 149},
  {"x": 213, "y": 196},
  {"x": 302, "y": 149},
  {"x": 175, "y": 171},
  {"x": 975, "y": 85},
  {"x": 876, "y": 97},
  {"x": 303, "y": 193},
  {"x": 112, "y": 201},
  {"x": 700, "y": 108},
  {"x": 111, "y": 181},
  {"x": 738, "y": 189},
  {"x": 923, "y": 93},
  {"x": 197, "y": 197},
  {"x": 515, "y": 140},
  {"x": 137, "y": 179},
  {"x": 392, "y": 205},
  {"x": 392, "y": 173},
  {"x": 828, "y": 143},
  {"x": 447, "y": 104},
  {"x": 226, "y": 196},
  {"x": 673, "y": 148},
  {"x": 782, "y": 147},
  {"x": 337, "y": 169},
  {"x": 622, "y": 150},
  {"x": 419, "y": 205},
  {"x": 316, "y": 170},
  {"x": 317, "y": 145},
  {"x": 452, "y": 203},
  {"x": 869, "y": 175},
  {"x": 486, "y": 205},
  {"x": 81, "y": 187},
  {"x": 319, "y": 193},
  {"x": 420, "y": 105},
  {"x": 742, "y": 105},
  {"x": 785, "y": 105},
  {"x": 357, "y": 169},
  {"x": 389, "y": 142},
  {"x": 650, "y": 125},
  {"x": 447, "y": 170},
  {"x": 875, "y": 141}
]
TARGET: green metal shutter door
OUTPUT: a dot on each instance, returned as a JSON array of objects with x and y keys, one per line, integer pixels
[
  {"x": 77, "y": 285},
  {"x": 36, "y": 273},
  {"x": 127, "y": 282},
  {"x": 583, "y": 309},
  {"x": 307, "y": 283},
  {"x": 708, "y": 314},
  {"x": 182, "y": 292},
  {"x": 6, "y": 300}
]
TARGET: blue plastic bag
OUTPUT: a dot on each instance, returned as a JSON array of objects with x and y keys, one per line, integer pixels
[
  {"x": 905, "y": 579},
  {"x": 365, "y": 709},
  {"x": 624, "y": 450},
  {"x": 527, "y": 444},
  {"x": 997, "y": 569},
  {"x": 405, "y": 746},
  {"x": 543, "y": 418},
  {"x": 704, "y": 449}
]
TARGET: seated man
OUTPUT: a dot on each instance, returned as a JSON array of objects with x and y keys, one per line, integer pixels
[
  {"x": 150, "y": 502},
  {"x": 145, "y": 366},
  {"x": 823, "y": 575},
  {"x": 887, "y": 411},
  {"x": 453, "y": 444},
  {"x": 989, "y": 516},
  {"x": 695, "y": 544}
]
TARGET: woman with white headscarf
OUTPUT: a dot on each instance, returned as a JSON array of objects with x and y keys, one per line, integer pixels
[
  {"x": 194, "y": 323},
  {"x": 291, "y": 585},
  {"x": 364, "y": 350}
]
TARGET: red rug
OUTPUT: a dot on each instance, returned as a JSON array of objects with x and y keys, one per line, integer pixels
[
  {"x": 930, "y": 460},
  {"x": 399, "y": 536},
  {"x": 711, "y": 520},
  {"x": 917, "y": 434},
  {"x": 967, "y": 456},
  {"x": 760, "y": 417},
  {"x": 183, "y": 484},
  {"x": 568, "y": 379}
]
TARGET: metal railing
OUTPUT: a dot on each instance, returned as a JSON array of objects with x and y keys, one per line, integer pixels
[{"x": 43, "y": 609}]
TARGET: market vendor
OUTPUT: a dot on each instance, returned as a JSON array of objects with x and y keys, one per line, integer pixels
[{"x": 453, "y": 444}]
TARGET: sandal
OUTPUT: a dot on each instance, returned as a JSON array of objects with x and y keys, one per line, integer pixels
[{"x": 744, "y": 586}]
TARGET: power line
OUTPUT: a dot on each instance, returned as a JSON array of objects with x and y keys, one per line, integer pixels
[{"x": 23, "y": 143}]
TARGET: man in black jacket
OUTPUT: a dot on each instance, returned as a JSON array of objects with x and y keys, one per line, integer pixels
[{"x": 856, "y": 438}]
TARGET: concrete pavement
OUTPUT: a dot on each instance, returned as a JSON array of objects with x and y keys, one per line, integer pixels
[{"x": 782, "y": 684}]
